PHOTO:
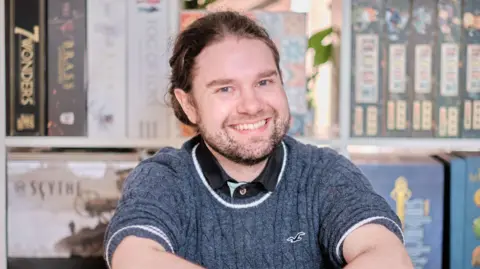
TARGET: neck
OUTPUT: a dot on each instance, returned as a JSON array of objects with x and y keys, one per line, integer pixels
[{"x": 240, "y": 172}]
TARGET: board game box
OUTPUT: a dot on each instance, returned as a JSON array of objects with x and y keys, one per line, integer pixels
[
  {"x": 414, "y": 188},
  {"x": 67, "y": 87},
  {"x": 70, "y": 196},
  {"x": 471, "y": 69},
  {"x": 25, "y": 64},
  {"x": 367, "y": 57},
  {"x": 107, "y": 68}
]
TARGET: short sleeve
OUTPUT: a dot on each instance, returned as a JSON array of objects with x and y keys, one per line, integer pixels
[
  {"x": 347, "y": 202},
  {"x": 151, "y": 206}
]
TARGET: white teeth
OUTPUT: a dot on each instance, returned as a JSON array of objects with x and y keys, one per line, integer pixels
[{"x": 251, "y": 126}]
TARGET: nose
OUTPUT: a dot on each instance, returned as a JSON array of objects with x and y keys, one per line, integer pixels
[{"x": 250, "y": 103}]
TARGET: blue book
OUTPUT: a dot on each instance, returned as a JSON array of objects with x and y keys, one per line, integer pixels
[
  {"x": 414, "y": 187},
  {"x": 465, "y": 208}
]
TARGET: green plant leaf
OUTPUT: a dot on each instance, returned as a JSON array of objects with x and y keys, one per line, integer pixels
[
  {"x": 322, "y": 55},
  {"x": 316, "y": 39}
]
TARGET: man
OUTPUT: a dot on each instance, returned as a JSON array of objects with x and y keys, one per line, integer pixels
[{"x": 243, "y": 194}]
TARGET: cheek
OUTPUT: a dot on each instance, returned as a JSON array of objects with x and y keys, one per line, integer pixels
[
  {"x": 214, "y": 112},
  {"x": 279, "y": 102}
]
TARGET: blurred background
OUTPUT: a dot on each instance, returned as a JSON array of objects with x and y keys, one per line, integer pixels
[{"x": 394, "y": 85}]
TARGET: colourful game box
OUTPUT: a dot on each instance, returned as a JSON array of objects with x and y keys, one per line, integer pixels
[
  {"x": 367, "y": 57},
  {"x": 413, "y": 187},
  {"x": 396, "y": 112},
  {"x": 447, "y": 66},
  {"x": 471, "y": 69},
  {"x": 421, "y": 55}
]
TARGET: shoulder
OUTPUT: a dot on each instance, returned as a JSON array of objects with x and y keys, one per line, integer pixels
[
  {"x": 164, "y": 170},
  {"x": 325, "y": 165}
]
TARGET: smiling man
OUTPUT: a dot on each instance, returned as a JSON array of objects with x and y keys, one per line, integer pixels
[{"x": 242, "y": 193}]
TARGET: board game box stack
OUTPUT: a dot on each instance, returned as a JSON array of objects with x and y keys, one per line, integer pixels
[
  {"x": 415, "y": 69},
  {"x": 288, "y": 31},
  {"x": 67, "y": 69},
  {"x": 71, "y": 197}
]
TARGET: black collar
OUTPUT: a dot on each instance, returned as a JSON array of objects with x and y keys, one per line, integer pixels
[{"x": 217, "y": 178}]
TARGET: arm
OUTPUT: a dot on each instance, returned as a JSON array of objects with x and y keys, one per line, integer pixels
[
  {"x": 135, "y": 252},
  {"x": 147, "y": 227},
  {"x": 358, "y": 229},
  {"x": 374, "y": 246}
]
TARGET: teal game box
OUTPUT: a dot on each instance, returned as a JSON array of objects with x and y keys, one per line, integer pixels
[
  {"x": 464, "y": 219},
  {"x": 413, "y": 187}
]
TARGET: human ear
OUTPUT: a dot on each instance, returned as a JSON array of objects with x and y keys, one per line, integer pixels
[{"x": 188, "y": 104}]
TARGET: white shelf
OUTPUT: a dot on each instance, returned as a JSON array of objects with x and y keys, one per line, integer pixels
[
  {"x": 412, "y": 145},
  {"x": 86, "y": 142},
  {"x": 354, "y": 144}
]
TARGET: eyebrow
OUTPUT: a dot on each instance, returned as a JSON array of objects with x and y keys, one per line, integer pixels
[{"x": 223, "y": 81}]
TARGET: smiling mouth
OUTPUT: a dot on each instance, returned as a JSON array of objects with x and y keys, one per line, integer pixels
[{"x": 250, "y": 126}]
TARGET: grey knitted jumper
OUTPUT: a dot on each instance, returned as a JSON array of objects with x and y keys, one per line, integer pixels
[{"x": 320, "y": 198}]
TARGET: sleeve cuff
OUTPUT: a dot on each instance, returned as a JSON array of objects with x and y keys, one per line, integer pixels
[
  {"x": 144, "y": 231},
  {"x": 387, "y": 222}
]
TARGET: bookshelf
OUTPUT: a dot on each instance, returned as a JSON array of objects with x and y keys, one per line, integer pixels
[{"x": 344, "y": 144}]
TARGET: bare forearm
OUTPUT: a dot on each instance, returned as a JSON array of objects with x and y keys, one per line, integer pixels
[
  {"x": 152, "y": 260},
  {"x": 382, "y": 258},
  {"x": 136, "y": 253}
]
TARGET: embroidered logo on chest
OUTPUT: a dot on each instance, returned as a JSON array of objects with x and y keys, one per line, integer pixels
[{"x": 296, "y": 238}]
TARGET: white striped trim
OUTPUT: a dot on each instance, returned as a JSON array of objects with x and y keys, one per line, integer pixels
[
  {"x": 361, "y": 223},
  {"x": 154, "y": 230},
  {"x": 237, "y": 206}
]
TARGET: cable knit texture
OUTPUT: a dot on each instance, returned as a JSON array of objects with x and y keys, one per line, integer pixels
[{"x": 320, "y": 197}]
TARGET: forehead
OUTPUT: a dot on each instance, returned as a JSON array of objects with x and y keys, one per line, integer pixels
[{"x": 233, "y": 58}]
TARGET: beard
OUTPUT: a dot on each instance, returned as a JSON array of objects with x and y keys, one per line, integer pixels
[{"x": 255, "y": 151}]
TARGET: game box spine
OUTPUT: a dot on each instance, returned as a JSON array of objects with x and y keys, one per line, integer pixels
[
  {"x": 25, "y": 62},
  {"x": 107, "y": 68},
  {"x": 67, "y": 115},
  {"x": 396, "y": 112},
  {"x": 367, "y": 56},
  {"x": 458, "y": 184},
  {"x": 447, "y": 67},
  {"x": 471, "y": 226},
  {"x": 148, "y": 54},
  {"x": 471, "y": 69},
  {"x": 421, "y": 45}
]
